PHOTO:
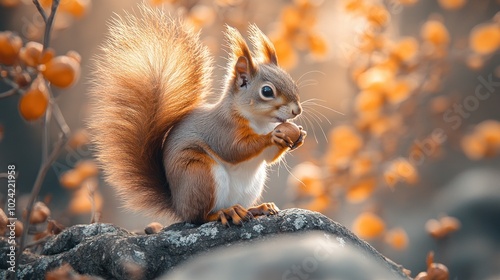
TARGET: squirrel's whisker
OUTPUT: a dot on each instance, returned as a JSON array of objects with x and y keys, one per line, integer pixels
[
  {"x": 318, "y": 122},
  {"x": 312, "y": 126},
  {"x": 310, "y": 72},
  {"x": 307, "y": 84},
  {"x": 315, "y": 117},
  {"x": 307, "y": 81},
  {"x": 289, "y": 169},
  {"x": 323, "y": 106},
  {"x": 317, "y": 112},
  {"x": 314, "y": 99}
]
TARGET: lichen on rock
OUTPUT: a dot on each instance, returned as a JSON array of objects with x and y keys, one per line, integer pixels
[{"x": 110, "y": 252}]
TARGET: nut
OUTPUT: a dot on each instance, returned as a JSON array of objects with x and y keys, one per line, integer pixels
[{"x": 290, "y": 129}]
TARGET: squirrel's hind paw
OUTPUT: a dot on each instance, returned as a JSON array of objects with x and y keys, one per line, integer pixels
[
  {"x": 235, "y": 214},
  {"x": 264, "y": 209}
]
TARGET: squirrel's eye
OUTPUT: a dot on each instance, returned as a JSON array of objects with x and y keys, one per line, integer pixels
[{"x": 267, "y": 92}]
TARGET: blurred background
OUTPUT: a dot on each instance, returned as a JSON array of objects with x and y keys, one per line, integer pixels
[{"x": 401, "y": 101}]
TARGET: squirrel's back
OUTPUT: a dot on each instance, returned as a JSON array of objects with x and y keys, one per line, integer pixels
[{"x": 152, "y": 72}]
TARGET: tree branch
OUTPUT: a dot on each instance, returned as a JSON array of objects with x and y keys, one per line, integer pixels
[
  {"x": 37, "y": 186},
  {"x": 47, "y": 159},
  {"x": 40, "y": 10},
  {"x": 49, "y": 23},
  {"x": 8, "y": 93}
]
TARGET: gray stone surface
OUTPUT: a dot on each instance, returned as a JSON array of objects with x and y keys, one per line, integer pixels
[
  {"x": 113, "y": 253},
  {"x": 311, "y": 255}
]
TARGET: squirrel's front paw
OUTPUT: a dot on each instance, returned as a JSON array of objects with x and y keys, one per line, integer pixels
[
  {"x": 288, "y": 135},
  {"x": 299, "y": 141},
  {"x": 280, "y": 139}
]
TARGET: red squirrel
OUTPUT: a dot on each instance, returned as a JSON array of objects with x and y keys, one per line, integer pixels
[{"x": 163, "y": 146}]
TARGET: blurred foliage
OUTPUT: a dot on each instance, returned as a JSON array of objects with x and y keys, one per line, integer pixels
[
  {"x": 396, "y": 75},
  {"x": 381, "y": 146}
]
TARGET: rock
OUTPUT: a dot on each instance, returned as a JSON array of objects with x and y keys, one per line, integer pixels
[
  {"x": 113, "y": 253},
  {"x": 313, "y": 256}
]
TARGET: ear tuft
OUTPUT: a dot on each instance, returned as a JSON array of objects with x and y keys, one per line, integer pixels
[
  {"x": 264, "y": 48},
  {"x": 238, "y": 48}
]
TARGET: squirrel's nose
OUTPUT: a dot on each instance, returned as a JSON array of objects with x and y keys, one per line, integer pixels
[{"x": 297, "y": 110}]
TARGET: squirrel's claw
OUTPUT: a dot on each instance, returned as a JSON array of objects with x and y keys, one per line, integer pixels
[
  {"x": 235, "y": 214},
  {"x": 279, "y": 138},
  {"x": 299, "y": 141},
  {"x": 264, "y": 209}
]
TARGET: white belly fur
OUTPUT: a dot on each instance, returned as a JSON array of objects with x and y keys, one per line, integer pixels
[
  {"x": 243, "y": 183},
  {"x": 239, "y": 184}
]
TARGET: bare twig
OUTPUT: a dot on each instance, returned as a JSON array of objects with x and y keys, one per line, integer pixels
[
  {"x": 47, "y": 159},
  {"x": 45, "y": 139},
  {"x": 48, "y": 24},
  {"x": 40, "y": 10},
  {"x": 58, "y": 116},
  {"x": 48, "y": 20},
  {"x": 37, "y": 186},
  {"x": 11, "y": 83},
  {"x": 8, "y": 93},
  {"x": 38, "y": 242}
]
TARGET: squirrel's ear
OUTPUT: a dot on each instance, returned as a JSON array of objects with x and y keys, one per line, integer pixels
[
  {"x": 240, "y": 61},
  {"x": 264, "y": 48},
  {"x": 242, "y": 71}
]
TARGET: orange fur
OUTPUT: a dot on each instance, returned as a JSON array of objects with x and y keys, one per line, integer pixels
[
  {"x": 238, "y": 48},
  {"x": 143, "y": 84},
  {"x": 240, "y": 143},
  {"x": 264, "y": 48},
  {"x": 156, "y": 138},
  {"x": 278, "y": 155},
  {"x": 245, "y": 143},
  {"x": 236, "y": 213},
  {"x": 194, "y": 167}
]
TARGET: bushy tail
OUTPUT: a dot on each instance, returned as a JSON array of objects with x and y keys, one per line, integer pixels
[{"x": 151, "y": 74}]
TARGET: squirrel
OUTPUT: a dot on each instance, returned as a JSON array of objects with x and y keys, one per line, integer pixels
[{"x": 162, "y": 145}]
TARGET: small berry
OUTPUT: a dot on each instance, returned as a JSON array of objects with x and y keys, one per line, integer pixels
[
  {"x": 19, "y": 228},
  {"x": 34, "y": 102},
  {"x": 86, "y": 168},
  {"x": 10, "y": 44},
  {"x": 62, "y": 71},
  {"x": 31, "y": 53},
  {"x": 451, "y": 4},
  {"x": 71, "y": 179},
  {"x": 368, "y": 225},
  {"x": 434, "y": 32},
  {"x": 39, "y": 214},
  {"x": 485, "y": 38}
]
